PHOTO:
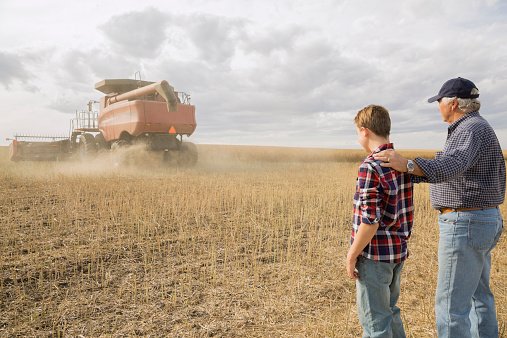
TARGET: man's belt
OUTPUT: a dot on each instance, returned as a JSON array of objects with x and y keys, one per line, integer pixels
[{"x": 447, "y": 210}]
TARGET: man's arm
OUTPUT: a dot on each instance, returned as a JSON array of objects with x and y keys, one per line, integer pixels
[
  {"x": 461, "y": 153},
  {"x": 363, "y": 236}
]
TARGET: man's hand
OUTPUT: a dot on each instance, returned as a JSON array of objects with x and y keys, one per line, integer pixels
[
  {"x": 391, "y": 159},
  {"x": 351, "y": 266}
]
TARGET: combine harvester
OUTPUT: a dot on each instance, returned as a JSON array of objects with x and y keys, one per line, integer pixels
[{"x": 131, "y": 112}]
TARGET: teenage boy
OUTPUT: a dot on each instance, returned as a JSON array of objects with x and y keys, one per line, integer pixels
[{"x": 383, "y": 217}]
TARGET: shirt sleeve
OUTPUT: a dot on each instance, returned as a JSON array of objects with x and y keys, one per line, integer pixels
[
  {"x": 368, "y": 185},
  {"x": 454, "y": 160},
  {"x": 418, "y": 179}
]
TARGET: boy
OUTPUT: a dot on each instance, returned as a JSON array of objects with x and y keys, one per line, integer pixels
[{"x": 383, "y": 217}]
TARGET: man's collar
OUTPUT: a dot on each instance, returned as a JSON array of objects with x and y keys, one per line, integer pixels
[{"x": 455, "y": 124}]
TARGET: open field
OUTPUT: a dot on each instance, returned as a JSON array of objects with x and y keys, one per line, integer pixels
[{"x": 249, "y": 243}]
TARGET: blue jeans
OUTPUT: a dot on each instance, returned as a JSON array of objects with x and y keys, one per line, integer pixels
[
  {"x": 378, "y": 289},
  {"x": 464, "y": 303}
]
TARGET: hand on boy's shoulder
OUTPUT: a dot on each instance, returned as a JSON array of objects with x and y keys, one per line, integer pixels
[{"x": 391, "y": 159}]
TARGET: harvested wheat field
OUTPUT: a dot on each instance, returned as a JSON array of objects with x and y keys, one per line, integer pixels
[{"x": 249, "y": 243}]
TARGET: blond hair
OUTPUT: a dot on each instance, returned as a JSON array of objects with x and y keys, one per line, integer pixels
[{"x": 375, "y": 118}]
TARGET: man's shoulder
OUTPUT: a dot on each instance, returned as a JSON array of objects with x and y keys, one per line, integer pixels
[
  {"x": 475, "y": 122},
  {"x": 475, "y": 129}
]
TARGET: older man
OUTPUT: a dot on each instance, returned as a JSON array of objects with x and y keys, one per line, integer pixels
[{"x": 467, "y": 184}]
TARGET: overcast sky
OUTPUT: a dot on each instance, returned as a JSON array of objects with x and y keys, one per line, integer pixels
[{"x": 290, "y": 73}]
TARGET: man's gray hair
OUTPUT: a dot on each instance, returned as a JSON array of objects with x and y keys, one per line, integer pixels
[{"x": 465, "y": 105}]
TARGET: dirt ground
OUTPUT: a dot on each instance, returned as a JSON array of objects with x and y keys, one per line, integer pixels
[{"x": 249, "y": 243}]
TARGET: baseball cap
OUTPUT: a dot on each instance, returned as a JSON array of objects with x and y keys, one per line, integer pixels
[{"x": 458, "y": 87}]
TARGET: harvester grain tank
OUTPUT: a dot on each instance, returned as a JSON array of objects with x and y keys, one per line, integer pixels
[{"x": 131, "y": 112}]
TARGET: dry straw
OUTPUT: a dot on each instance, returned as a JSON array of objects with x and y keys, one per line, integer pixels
[{"x": 249, "y": 243}]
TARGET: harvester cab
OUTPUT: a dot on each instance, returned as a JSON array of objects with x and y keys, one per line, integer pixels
[{"x": 84, "y": 131}]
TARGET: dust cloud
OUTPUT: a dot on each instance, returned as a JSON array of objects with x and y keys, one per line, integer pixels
[{"x": 136, "y": 161}]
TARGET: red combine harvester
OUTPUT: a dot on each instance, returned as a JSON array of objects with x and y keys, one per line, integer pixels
[{"x": 131, "y": 112}]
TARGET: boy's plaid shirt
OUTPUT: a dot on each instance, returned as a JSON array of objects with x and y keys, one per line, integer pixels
[{"x": 384, "y": 196}]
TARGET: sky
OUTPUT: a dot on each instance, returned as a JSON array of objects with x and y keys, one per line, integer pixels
[{"x": 275, "y": 73}]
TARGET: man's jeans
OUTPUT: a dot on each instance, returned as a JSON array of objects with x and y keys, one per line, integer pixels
[
  {"x": 464, "y": 304},
  {"x": 378, "y": 289}
]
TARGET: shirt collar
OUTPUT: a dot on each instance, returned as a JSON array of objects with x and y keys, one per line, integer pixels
[
  {"x": 456, "y": 123},
  {"x": 381, "y": 148}
]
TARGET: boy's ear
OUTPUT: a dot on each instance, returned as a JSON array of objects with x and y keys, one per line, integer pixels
[{"x": 364, "y": 131}]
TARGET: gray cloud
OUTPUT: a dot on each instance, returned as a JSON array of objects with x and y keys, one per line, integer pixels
[
  {"x": 138, "y": 34},
  {"x": 12, "y": 69},
  {"x": 78, "y": 71},
  {"x": 98, "y": 63},
  {"x": 144, "y": 34},
  {"x": 271, "y": 40},
  {"x": 216, "y": 38}
]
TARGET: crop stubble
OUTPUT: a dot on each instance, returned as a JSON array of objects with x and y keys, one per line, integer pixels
[{"x": 251, "y": 242}]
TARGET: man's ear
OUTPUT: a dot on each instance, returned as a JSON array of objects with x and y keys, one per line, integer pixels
[{"x": 454, "y": 104}]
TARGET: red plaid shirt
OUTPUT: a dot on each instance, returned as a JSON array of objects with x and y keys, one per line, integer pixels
[{"x": 384, "y": 196}]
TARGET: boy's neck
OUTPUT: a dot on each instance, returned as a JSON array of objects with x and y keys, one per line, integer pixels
[{"x": 376, "y": 141}]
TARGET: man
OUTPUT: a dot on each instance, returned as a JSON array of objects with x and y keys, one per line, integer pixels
[{"x": 467, "y": 184}]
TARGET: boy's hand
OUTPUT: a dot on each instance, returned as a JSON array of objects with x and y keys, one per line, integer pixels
[{"x": 351, "y": 266}]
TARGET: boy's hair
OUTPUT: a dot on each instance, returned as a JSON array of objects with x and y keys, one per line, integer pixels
[{"x": 376, "y": 118}]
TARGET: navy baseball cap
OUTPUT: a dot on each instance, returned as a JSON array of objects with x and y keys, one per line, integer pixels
[{"x": 458, "y": 87}]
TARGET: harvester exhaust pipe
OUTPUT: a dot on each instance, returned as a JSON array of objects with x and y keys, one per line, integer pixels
[{"x": 163, "y": 88}]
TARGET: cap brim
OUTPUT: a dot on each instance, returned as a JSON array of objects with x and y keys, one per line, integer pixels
[{"x": 434, "y": 98}]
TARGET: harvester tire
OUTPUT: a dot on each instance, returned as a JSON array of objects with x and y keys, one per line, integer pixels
[
  {"x": 188, "y": 154},
  {"x": 87, "y": 146},
  {"x": 119, "y": 144},
  {"x": 100, "y": 141}
]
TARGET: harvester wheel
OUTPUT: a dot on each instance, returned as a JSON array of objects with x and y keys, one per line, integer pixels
[
  {"x": 188, "y": 154},
  {"x": 100, "y": 141},
  {"x": 87, "y": 146},
  {"x": 119, "y": 144}
]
